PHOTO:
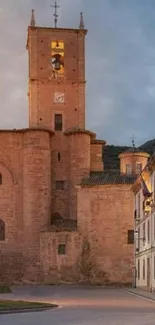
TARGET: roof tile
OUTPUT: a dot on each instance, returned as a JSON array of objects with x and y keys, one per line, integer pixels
[{"x": 110, "y": 177}]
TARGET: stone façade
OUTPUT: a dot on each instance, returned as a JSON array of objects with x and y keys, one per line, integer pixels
[{"x": 91, "y": 215}]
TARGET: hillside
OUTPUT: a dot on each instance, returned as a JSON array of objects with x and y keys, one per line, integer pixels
[
  {"x": 149, "y": 147},
  {"x": 111, "y": 153}
]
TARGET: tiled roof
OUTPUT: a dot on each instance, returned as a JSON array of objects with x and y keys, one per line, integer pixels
[
  {"x": 133, "y": 149},
  {"x": 63, "y": 225},
  {"x": 108, "y": 177}
]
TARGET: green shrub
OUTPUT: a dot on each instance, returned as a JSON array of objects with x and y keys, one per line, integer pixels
[{"x": 5, "y": 289}]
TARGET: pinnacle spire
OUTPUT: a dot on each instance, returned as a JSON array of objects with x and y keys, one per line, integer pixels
[
  {"x": 33, "y": 22},
  {"x": 81, "y": 26}
]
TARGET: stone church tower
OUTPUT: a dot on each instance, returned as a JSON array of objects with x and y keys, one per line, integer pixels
[
  {"x": 57, "y": 103},
  {"x": 66, "y": 152}
]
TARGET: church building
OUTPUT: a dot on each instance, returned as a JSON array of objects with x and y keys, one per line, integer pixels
[{"x": 62, "y": 217}]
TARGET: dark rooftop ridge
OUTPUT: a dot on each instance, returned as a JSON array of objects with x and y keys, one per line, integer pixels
[
  {"x": 133, "y": 149},
  {"x": 108, "y": 177}
]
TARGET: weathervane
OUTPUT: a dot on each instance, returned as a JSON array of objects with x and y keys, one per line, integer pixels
[
  {"x": 55, "y": 6},
  {"x": 133, "y": 141}
]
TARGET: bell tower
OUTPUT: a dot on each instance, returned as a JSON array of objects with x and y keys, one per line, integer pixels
[{"x": 56, "y": 76}]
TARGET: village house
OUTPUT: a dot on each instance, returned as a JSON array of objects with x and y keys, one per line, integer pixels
[{"x": 144, "y": 212}]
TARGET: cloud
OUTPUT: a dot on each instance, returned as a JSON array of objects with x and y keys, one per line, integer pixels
[
  {"x": 120, "y": 63},
  {"x": 125, "y": 42}
]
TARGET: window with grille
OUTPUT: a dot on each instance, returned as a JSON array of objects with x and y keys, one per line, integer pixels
[
  {"x": 0, "y": 179},
  {"x": 138, "y": 271},
  {"x": 130, "y": 237},
  {"x": 144, "y": 233},
  {"x": 148, "y": 231},
  {"x": 61, "y": 249},
  {"x": 60, "y": 185},
  {"x": 2, "y": 230},
  {"x": 143, "y": 268},
  {"x": 58, "y": 122},
  {"x": 139, "y": 238},
  {"x": 138, "y": 205}
]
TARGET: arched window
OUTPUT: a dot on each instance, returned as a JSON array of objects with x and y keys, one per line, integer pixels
[
  {"x": 0, "y": 179},
  {"x": 2, "y": 230}
]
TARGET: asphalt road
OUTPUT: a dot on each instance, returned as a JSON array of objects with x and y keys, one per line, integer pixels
[{"x": 83, "y": 306}]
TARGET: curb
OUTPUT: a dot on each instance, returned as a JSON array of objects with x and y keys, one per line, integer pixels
[
  {"x": 26, "y": 310},
  {"x": 139, "y": 294}
]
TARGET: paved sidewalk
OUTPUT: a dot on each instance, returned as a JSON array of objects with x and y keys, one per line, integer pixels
[{"x": 142, "y": 293}]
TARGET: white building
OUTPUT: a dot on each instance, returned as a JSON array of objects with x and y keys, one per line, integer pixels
[{"x": 144, "y": 214}]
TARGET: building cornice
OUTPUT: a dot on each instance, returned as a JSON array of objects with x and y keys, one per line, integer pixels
[
  {"x": 27, "y": 130},
  {"x": 97, "y": 141},
  {"x": 79, "y": 131},
  {"x": 59, "y": 30},
  {"x": 129, "y": 154}
]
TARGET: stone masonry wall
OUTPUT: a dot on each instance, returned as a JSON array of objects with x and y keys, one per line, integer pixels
[
  {"x": 96, "y": 161},
  {"x": 56, "y": 267},
  {"x": 25, "y": 205},
  {"x": 105, "y": 214},
  {"x": 37, "y": 197},
  {"x": 60, "y": 172},
  {"x": 11, "y": 206},
  {"x": 79, "y": 166}
]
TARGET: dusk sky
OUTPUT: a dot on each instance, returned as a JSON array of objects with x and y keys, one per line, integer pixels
[{"x": 120, "y": 63}]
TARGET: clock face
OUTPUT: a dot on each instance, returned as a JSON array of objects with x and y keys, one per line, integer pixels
[{"x": 59, "y": 98}]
